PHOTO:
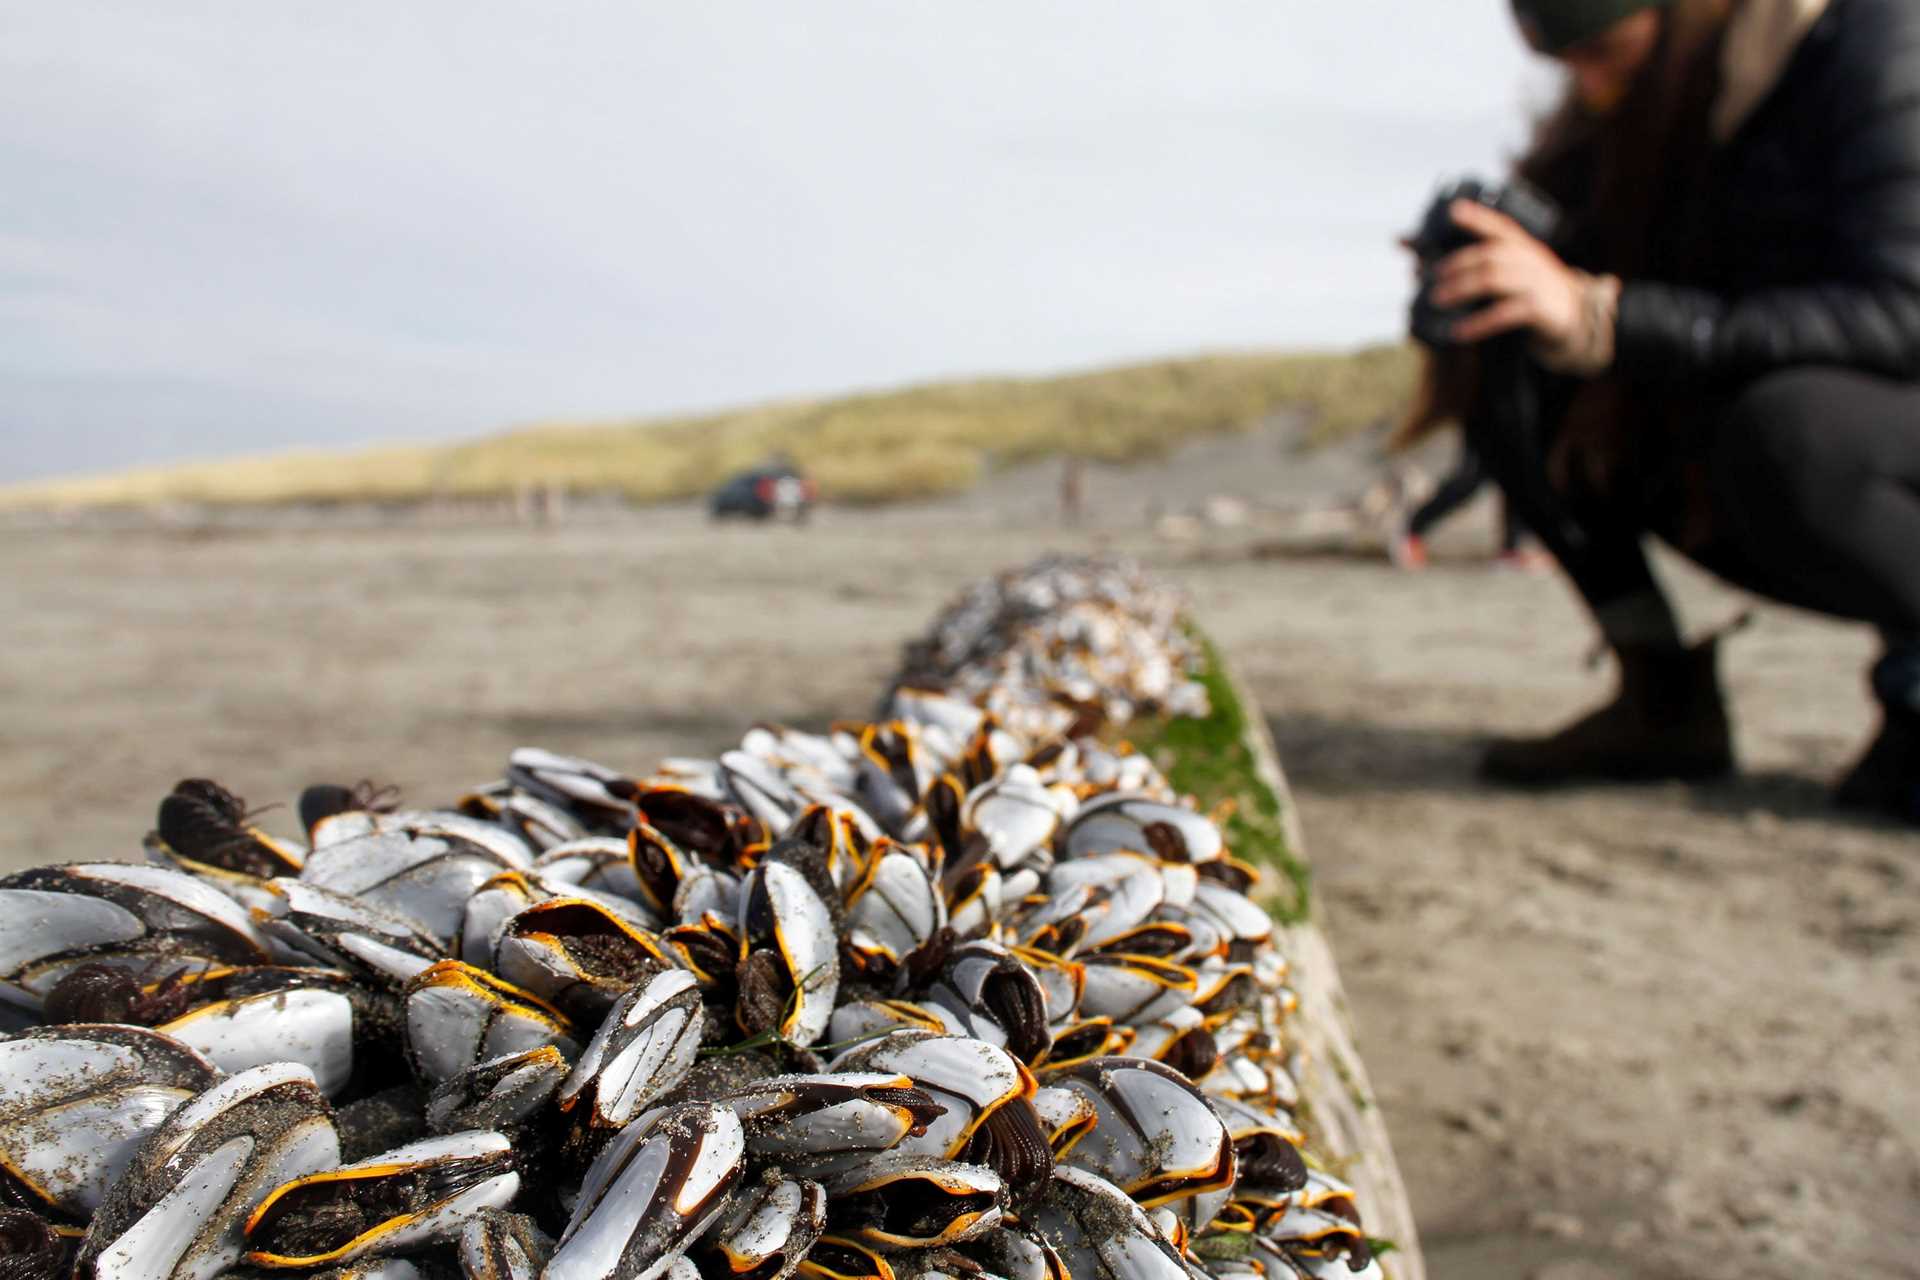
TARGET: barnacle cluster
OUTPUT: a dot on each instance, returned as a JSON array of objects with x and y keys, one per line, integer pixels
[
  {"x": 1067, "y": 642},
  {"x": 965, "y": 991}
]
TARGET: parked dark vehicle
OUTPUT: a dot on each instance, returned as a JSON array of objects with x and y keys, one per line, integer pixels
[{"x": 777, "y": 491}]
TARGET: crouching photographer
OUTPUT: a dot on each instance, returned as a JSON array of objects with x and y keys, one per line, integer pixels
[{"x": 1697, "y": 314}]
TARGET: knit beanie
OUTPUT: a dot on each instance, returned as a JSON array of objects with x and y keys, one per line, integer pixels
[{"x": 1554, "y": 26}]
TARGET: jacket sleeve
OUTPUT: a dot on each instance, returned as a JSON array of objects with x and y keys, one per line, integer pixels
[{"x": 1866, "y": 314}]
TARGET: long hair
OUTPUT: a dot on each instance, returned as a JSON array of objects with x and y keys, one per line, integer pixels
[{"x": 1629, "y": 183}]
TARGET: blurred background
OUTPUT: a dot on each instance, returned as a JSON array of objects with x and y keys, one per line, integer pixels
[
  {"x": 232, "y": 228},
  {"x": 371, "y": 377}
]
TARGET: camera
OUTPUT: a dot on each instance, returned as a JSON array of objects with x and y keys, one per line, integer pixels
[{"x": 1440, "y": 236}]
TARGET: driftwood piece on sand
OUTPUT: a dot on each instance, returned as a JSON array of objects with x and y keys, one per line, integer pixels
[
  {"x": 1228, "y": 762},
  {"x": 1346, "y": 1127}
]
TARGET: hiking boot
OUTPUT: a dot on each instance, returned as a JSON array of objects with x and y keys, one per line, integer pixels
[
  {"x": 1668, "y": 721},
  {"x": 1887, "y": 778}
]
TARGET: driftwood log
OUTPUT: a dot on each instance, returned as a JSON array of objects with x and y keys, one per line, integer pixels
[
  {"x": 1231, "y": 761},
  {"x": 1348, "y": 1126}
]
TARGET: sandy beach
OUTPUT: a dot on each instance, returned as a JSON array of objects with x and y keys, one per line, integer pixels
[{"x": 1652, "y": 1032}]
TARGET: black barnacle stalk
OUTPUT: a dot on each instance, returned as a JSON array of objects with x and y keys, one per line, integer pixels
[
  {"x": 109, "y": 993},
  {"x": 204, "y": 822},
  {"x": 30, "y": 1249}
]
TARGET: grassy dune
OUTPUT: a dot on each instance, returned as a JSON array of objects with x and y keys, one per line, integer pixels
[{"x": 918, "y": 442}]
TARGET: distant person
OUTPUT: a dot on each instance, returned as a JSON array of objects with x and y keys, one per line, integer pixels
[
  {"x": 1407, "y": 548},
  {"x": 1721, "y": 346},
  {"x": 1073, "y": 489}
]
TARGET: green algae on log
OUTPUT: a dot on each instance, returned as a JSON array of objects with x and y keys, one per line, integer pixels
[{"x": 1227, "y": 763}]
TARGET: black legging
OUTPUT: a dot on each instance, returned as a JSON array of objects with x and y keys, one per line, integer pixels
[
  {"x": 1465, "y": 480},
  {"x": 1810, "y": 477}
]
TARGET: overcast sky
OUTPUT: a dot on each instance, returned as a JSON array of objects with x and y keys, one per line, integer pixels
[{"x": 235, "y": 226}]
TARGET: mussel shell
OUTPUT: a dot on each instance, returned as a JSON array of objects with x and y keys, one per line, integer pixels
[
  {"x": 974, "y": 898},
  {"x": 1101, "y": 1234},
  {"x": 533, "y": 821},
  {"x": 1108, "y": 897},
  {"x": 168, "y": 902},
  {"x": 656, "y": 1187},
  {"x": 1061, "y": 982},
  {"x": 506, "y": 895},
  {"x": 1093, "y": 1038},
  {"x": 989, "y": 1117},
  {"x": 597, "y": 864},
  {"x": 1158, "y": 1138},
  {"x": 1267, "y": 1148},
  {"x": 1331, "y": 1254},
  {"x": 766, "y": 1233},
  {"x": 75, "y": 1103},
  {"x": 760, "y": 790},
  {"x": 457, "y": 1016},
  {"x": 1181, "y": 1041},
  {"x": 308, "y": 1025},
  {"x": 504, "y": 1093},
  {"x": 710, "y": 951},
  {"x": 313, "y": 923},
  {"x": 1325, "y": 1192},
  {"x": 698, "y": 821},
  {"x": 1067, "y": 1115},
  {"x": 178, "y": 1210},
  {"x": 893, "y": 772},
  {"x": 658, "y": 866},
  {"x": 1131, "y": 822},
  {"x": 811, "y": 755},
  {"x": 958, "y": 719},
  {"x": 645, "y": 1046},
  {"x": 1134, "y": 988},
  {"x": 1014, "y": 814},
  {"x": 487, "y": 911},
  {"x": 394, "y": 1202},
  {"x": 577, "y": 955},
  {"x": 780, "y": 907},
  {"x": 984, "y": 982},
  {"x": 376, "y": 1008},
  {"x": 707, "y": 895},
  {"x": 893, "y": 911},
  {"x": 842, "y": 1258},
  {"x": 53, "y": 919},
  {"x": 426, "y": 878},
  {"x": 797, "y": 1118},
  {"x": 498, "y": 1245},
  {"x": 968, "y": 1078},
  {"x": 591, "y": 794},
  {"x": 1237, "y": 914},
  {"x": 1017, "y": 1252},
  {"x": 863, "y": 1020},
  {"x": 915, "y": 1202}
]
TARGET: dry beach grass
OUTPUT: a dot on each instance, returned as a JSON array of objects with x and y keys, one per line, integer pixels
[{"x": 886, "y": 446}]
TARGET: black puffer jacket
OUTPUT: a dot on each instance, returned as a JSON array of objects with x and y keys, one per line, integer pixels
[{"x": 1812, "y": 251}]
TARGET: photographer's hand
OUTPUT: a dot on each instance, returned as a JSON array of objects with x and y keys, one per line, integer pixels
[{"x": 1525, "y": 283}]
